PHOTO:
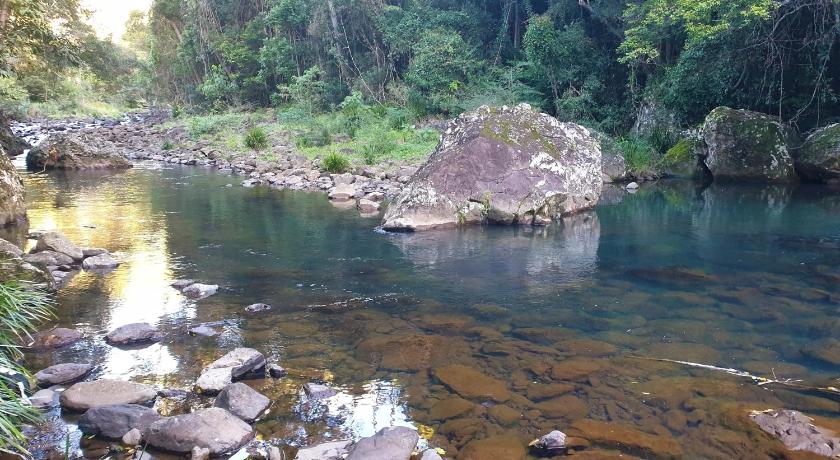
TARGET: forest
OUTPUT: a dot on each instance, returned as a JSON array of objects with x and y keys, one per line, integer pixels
[{"x": 601, "y": 63}]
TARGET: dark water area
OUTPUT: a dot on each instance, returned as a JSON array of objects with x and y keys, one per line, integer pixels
[{"x": 554, "y": 319}]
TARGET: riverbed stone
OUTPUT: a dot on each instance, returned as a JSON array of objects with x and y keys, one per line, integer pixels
[
  {"x": 257, "y": 307},
  {"x": 747, "y": 146},
  {"x": 506, "y": 446},
  {"x": 12, "y": 194},
  {"x": 44, "y": 399},
  {"x": 49, "y": 258},
  {"x": 450, "y": 408},
  {"x": 819, "y": 158},
  {"x": 430, "y": 454},
  {"x": 242, "y": 401},
  {"x": 181, "y": 284},
  {"x": 54, "y": 241},
  {"x": 628, "y": 439},
  {"x": 113, "y": 422},
  {"x": 391, "y": 443},
  {"x": 215, "y": 429},
  {"x": 133, "y": 438},
  {"x": 368, "y": 207},
  {"x": 9, "y": 249},
  {"x": 501, "y": 165},
  {"x": 826, "y": 350},
  {"x": 471, "y": 383},
  {"x": 798, "y": 432},
  {"x": 342, "y": 192},
  {"x": 63, "y": 374},
  {"x": 10, "y": 144},
  {"x": 133, "y": 334},
  {"x": 556, "y": 440},
  {"x": 318, "y": 391},
  {"x": 101, "y": 262},
  {"x": 86, "y": 395},
  {"x": 212, "y": 381},
  {"x": 72, "y": 151},
  {"x": 198, "y": 291},
  {"x": 54, "y": 338},
  {"x": 240, "y": 361},
  {"x": 336, "y": 450}
]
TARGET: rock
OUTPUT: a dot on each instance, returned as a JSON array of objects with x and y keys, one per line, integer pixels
[
  {"x": 100, "y": 262},
  {"x": 336, "y": 450},
  {"x": 181, "y": 284},
  {"x": 746, "y": 146},
  {"x": 430, "y": 454},
  {"x": 391, "y": 443},
  {"x": 199, "y": 453},
  {"x": 133, "y": 438},
  {"x": 797, "y": 432},
  {"x": 212, "y": 381},
  {"x": 93, "y": 252},
  {"x": 826, "y": 350},
  {"x": 15, "y": 269},
  {"x": 257, "y": 307},
  {"x": 613, "y": 166},
  {"x": 54, "y": 338},
  {"x": 318, "y": 391},
  {"x": 44, "y": 399},
  {"x": 342, "y": 192},
  {"x": 63, "y": 374},
  {"x": 54, "y": 241},
  {"x": 632, "y": 186},
  {"x": 215, "y": 429},
  {"x": 628, "y": 439},
  {"x": 556, "y": 440},
  {"x": 368, "y": 207},
  {"x": 204, "y": 331},
  {"x": 501, "y": 165},
  {"x": 12, "y": 194},
  {"x": 114, "y": 422},
  {"x": 683, "y": 159},
  {"x": 471, "y": 383},
  {"x": 276, "y": 371},
  {"x": 133, "y": 334},
  {"x": 7, "y": 248},
  {"x": 9, "y": 143},
  {"x": 199, "y": 291},
  {"x": 506, "y": 447},
  {"x": 819, "y": 158},
  {"x": 68, "y": 151},
  {"x": 240, "y": 361},
  {"x": 242, "y": 401},
  {"x": 86, "y": 395},
  {"x": 49, "y": 258},
  {"x": 274, "y": 453}
]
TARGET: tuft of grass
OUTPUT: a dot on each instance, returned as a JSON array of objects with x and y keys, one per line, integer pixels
[
  {"x": 379, "y": 147},
  {"x": 641, "y": 158},
  {"x": 211, "y": 124},
  {"x": 335, "y": 163},
  {"x": 318, "y": 136},
  {"x": 167, "y": 145},
  {"x": 256, "y": 138}
]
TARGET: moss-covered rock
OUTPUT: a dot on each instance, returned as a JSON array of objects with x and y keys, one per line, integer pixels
[
  {"x": 683, "y": 160},
  {"x": 819, "y": 158},
  {"x": 747, "y": 146}
]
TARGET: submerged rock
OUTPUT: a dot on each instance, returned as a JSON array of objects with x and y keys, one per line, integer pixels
[
  {"x": 242, "y": 401},
  {"x": 54, "y": 338},
  {"x": 471, "y": 383},
  {"x": 63, "y": 374},
  {"x": 68, "y": 151},
  {"x": 318, "y": 391},
  {"x": 214, "y": 429},
  {"x": 391, "y": 443},
  {"x": 12, "y": 195},
  {"x": 86, "y": 395},
  {"x": 199, "y": 291},
  {"x": 798, "y": 432},
  {"x": 819, "y": 158},
  {"x": 336, "y": 450},
  {"x": 44, "y": 399},
  {"x": 133, "y": 334},
  {"x": 113, "y": 422},
  {"x": 747, "y": 146},
  {"x": 181, "y": 284},
  {"x": 54, "y": 241},
  {"x": 506, "y": 447},
  {"x": 501, "y": 165}
]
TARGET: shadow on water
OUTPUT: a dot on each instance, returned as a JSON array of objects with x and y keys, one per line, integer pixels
[{"x": 483, "y": 337}]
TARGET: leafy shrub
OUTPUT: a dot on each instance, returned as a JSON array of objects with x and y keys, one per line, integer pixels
[
  {"x": 318, "y": 136},
  {"x": 292, "y": 115},
  {"x": 353, "y": 111},
  {"x": 335, "y": 163},
  {"x": 256, "y": 138},
  {"x": 167, "y": 145}
]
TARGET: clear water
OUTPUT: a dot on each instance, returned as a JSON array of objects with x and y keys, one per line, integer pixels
[{"x": 737, "y": 277}]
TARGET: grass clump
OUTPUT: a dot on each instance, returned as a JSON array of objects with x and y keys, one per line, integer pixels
[
  {"x": 335, "y": 163},
  {"x": 317, "y": 136},
  {"x": 22, "y": 307},
  {"x": 256, "y": 138},
  {"x": 211, "y": 124},
  {"x": 641, "y": 158},
  {"x": 167, "y": 145}
]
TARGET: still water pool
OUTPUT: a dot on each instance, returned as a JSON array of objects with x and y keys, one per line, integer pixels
[{"x": 557, "y": 321}]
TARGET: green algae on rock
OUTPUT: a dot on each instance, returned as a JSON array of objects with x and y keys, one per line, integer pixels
[{"x": 819, "y": 158}]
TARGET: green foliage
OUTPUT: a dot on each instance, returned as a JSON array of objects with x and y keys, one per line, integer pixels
[
  {"x": 379, "y": 147},
  {"x": 641, "y": 158},
  {"x": 305, "y": 91},
  {"x": 256, "y": 138},
  {"x": 211, "y": 124},
  {"x": 680, "y": 153},
  {"x": 22, "y": 308},
  {"x": 439, "y": 70},
  {"x": 354, "y": 112},
  {"x": 335, "y": 163},
  {"x": 317, "y": 136},
  {"x": 167, "y": 145}
]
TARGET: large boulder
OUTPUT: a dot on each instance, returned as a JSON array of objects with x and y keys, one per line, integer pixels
[
  {"x": 113, "y": 422},
  {"x": 11, "y": 144},
  {"x": 242, "y": 401},
  {"x": 501, "y": 165},
  {"x": 683, "y": 160},
  {"x": 54, "y": 241},
  {"x": 86, "y": 395},
  {"x": 747, "y": 146},
  {"x": 819, "y": 158},
  {"x": 68, "y": 151},
  {"x": 12, "y": 197},
  {"x": 215, "y": 429}
]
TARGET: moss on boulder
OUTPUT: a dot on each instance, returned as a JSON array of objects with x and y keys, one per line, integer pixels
[
  {"x": 819, "y": 158},
  {"x": 12, "y": 199},
  {"x": 747, "y": 146},
  {"x": 683, "y": 159}
]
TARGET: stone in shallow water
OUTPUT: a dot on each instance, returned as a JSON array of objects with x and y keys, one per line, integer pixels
[
  {"x": 54, "y": 338},
  {"x": 257, "y": 307},
  {"x": 199, "y": 291},
  {"x": 11, "y": 249},
  {"x": 827, "y": 351},
  {"x": 181, "y": 284},
  {"x": 113, "y": 422},
  {"x": 450, "y": 408},
  {"x": 63, "y": 374},
  {"x": 798, "y": 432},
  {"x": 133, "y": 437},
  {"x": 213, "y": 381},
  {"x": 240, "y": 361},
  {"x": 506, "y": 447},
  {"x": 242, "y": 401},
  {"x": 277, "y": 371},
  {"x": 215, "y": 429},
  {"x": 552, "y": 441},
  {"x": 100, "y": 262},
  {"x": 471, "y": 383},
  {"x": 328, "y": 451},
  {"x": 391, "y": 443},
  {"x": 133, "y": 334},
  {"x": 430, "y": 454},
  {"x": 53, "y": 241},
  {"x": 86, "y": 395},
  {"x": 92, "y": 252},
  {"x": 318, "y": 391},
  {"x": 44, "y": 399},
  {"x": 628, "y": 439}
]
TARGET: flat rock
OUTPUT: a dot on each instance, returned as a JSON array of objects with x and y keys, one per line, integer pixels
[
  {"x": 212, "y": 381},
  {"x": 391, "y": 443},
  {"x": 240, "y": 361},
  {"x": 336, "y": 450},
  {"x": 368, "y": 207},
  {"x": 342, "y": 192},
  {"x": 73, "y": 152},
  {"x": 63, "y": 374},
  {"x": 257, "y": 307},
  {"x": 49, "y": 258},
  {"x": 507, "y": 447},
  {"x": 100, "y": 262},
  {"x": 215, "y": 429},
  {"x": 113, "y": 422},
  {"x": 628, "y": 439},
  {"x": 54, "y": 338},
  {"x": 318, "y": 391},
  {"x": 471, "y": 383},
  {"x": 44, "y": 399},
  {"x": 86, "y": 395},
  {"x": 54, "y": 241},
  {"x": 92, "y": 252},
  {"x": 181, "y": 284},
  {"x": 199, "y": 291},
  {"x": 798, "y": 432},
  {"x": 133, "y": 334},
  {"x": 242, "y": 401}
]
